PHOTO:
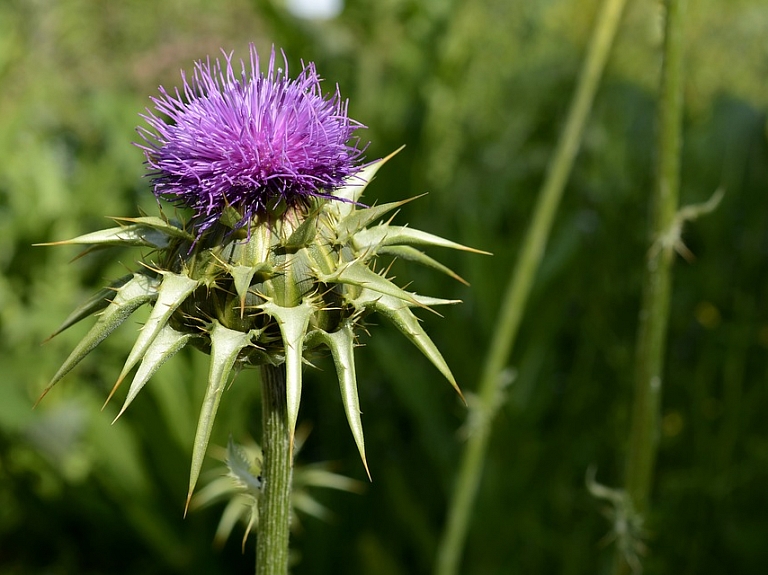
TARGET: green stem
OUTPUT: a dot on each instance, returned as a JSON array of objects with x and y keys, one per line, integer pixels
[
  {"x": 519, "y": 287},
  {"x": 277, "y": 473},
  {"x": 657, "y": 284}
]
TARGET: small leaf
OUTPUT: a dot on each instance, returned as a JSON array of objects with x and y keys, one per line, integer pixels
[
  {"x": 131, "y": 235},
  {"x": 95, "y": 303},
  {"x": 427, "y": 301},
  {"x": 230, "y": 217},
  {"x": 408, "y": 324},
  {"x": 341, "y": 343},
  {"x": 315, "y": 475},
  {"x": 358, "y": 274},
  {"x": 217, "y": 490},
  {"x": 242, "y": 276},
  {"x": 293, "y": 322},
  {"x": 173, "y": 290},
  {"x": 412, "y": 254},
  {"x": 161, "y": 225},
  {"x": 397, "y": 235},
  {"x": 226, "y": 345},
  {"x": 356, "y": 184},
  {"x": 305, "y": 503},
  {"x": 242, "y": 468},
  {"x": 303, "y": 235},
  {"x": 362, "y": 218},
  {"x": 167, "y": 344},
  {"x": 128, "y": 298}
]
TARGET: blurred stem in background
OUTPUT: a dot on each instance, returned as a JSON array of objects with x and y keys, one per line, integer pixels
[
  {"x": 277, "y": 472},
  {"x": 519, "y": 288},
  {"x": 657, "y": 283}
]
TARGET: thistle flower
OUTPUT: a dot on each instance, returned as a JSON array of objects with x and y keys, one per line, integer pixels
[
  {"x": 248, "y": 141},
  {"x": 277, "y": 262}
]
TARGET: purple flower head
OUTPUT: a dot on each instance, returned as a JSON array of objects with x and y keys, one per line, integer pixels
[{"x": 248, "y": 141}]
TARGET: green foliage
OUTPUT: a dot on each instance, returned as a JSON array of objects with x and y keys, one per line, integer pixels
[{"x": 477, "y": 92}]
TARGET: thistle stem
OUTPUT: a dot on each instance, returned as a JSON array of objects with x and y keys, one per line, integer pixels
[
  {"x": 277, "y": 474},
  {"x": 519, "y": 287},
  {"x": 657, "y": 283}
]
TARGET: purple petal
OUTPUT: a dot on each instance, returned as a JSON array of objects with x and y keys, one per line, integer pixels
[{"x": 247, "y": 140}]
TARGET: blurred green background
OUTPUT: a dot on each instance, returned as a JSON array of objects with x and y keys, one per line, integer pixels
[{"x": 477, "y": 90}]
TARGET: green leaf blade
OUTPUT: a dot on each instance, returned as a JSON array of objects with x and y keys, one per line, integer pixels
[
  {"x": 386, "y": 235},
  {"x": 226, "y": 345},
  {"x": 293, "y": 322},
  {"x": 362, "y": 218},
  {"x": 356, "y": 184},
  {"x": 167, "y": 344},
  {"x": 92, "y": 305},
  {"x": 358, "y": 274},
  {"x": 173, "y": 290},
  {"x": 132, "y": 295},
  {"x": 408, "y": 324},
  {"x": 410, "y": 253},
  {"x": 341, "y": 343}
]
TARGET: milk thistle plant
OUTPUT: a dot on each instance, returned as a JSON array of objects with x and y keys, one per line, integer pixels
[{"x": 274, "y": 263}]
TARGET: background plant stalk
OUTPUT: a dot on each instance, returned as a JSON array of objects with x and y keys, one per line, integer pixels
[
  {"x": 520, "y": 284},
  {"x": 657, "y": 287}
]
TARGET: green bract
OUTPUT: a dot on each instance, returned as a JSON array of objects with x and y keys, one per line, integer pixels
[{"x": 295, "y": 281}]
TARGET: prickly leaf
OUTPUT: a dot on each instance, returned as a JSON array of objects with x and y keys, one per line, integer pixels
[
  {"x": 226, "y": 344},
  {"x": 136, "y": 292}
]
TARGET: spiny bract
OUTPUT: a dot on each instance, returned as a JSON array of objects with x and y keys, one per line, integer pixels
[{"x": 295, "y": 280}]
